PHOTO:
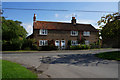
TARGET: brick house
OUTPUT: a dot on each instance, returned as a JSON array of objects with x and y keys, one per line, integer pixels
[{"x": 61, "y": 33}]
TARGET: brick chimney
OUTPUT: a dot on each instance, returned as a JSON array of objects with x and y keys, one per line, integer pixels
[
  {"x": 73, "y": 21},
  {"x": 34, "y": 18}
]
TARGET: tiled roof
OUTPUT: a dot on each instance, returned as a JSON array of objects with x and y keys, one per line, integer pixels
[{"x": 63, "y": 26}]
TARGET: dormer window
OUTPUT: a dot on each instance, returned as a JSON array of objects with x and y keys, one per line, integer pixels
[
  {"x": 74, "y": 33},
  {"x": 43, "y": 32},
  {"x": 86, "y": 33}
]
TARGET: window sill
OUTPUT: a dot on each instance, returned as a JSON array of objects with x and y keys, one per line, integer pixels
[
  {"x": 74, "y": 35},
  {"x": 86, "y": 35},
  {"x": 43, "y": 34}
]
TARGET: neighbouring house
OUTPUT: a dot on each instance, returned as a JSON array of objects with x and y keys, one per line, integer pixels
[{"x": 60, "y": 33}]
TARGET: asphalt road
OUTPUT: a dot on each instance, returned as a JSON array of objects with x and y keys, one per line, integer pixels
[{"x": 67, "y": 64}]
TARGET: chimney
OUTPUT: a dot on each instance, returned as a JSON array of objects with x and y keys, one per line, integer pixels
[
  {"x": 34, "y": 18},
  {"x": 73, "y": 21}
]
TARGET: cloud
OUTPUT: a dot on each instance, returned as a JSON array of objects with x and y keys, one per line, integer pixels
[
  {"x": 68, "y": 16},
  {"x": 56, "y": 15},
  {"x": 28, "y": 27},
  {"x": 85, "y": 21}
]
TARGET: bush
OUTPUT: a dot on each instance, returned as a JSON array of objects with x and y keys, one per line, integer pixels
[
  {"x": 27, "y": 48},
  {"x": 92, "y": 46},
  {"x": 48, "y": 48},
  {"x": 79, "y": 47},
  {"x": 14, "y": 44},
  {"x": 35, "y": 47},
  {"x": 29, "y": 44}
]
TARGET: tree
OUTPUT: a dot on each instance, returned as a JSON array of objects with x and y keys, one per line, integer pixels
[
  {"x": 110, "y": 30},
  {"x": 12, "y": 34},
  {"x": 107, "y": 19}
]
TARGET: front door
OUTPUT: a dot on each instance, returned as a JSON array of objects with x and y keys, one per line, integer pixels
[
  {"x": 57, "y": 43},
  {"x": 62, "y": 44}
]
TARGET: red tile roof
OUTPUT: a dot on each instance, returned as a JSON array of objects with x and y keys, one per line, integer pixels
[{"x": 63, "y": 26}]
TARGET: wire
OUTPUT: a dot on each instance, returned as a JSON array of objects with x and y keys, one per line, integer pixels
[{"x": 58, "y": 10}]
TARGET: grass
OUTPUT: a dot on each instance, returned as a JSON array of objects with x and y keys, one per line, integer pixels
[
  {"x": 115, "y": 55},
  {"x": 0, "y": 69},
  {"x": 14, "y": 70}
]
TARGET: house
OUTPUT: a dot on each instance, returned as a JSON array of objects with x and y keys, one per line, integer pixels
[{"x": 61, "y": 33}]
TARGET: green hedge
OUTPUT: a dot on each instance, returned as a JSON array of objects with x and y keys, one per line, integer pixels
[
  {"x": 79, "y": 47},
  {"x": 48, "y": 48}
]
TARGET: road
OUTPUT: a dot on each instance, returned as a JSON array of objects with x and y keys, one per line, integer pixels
[{"x": 67, "y": 64}]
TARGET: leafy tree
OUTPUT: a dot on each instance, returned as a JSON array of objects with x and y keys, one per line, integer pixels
[
  {"x": 107, "y": 19},
  {"x": 110, "y": 30},
  {"x": 12, "y": 29},
  {"x": 12, "y": 34}
]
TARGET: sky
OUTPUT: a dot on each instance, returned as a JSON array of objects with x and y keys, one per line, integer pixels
[
  {"x": 60, "y": 0},
  {"x": 26, "y": 16}
]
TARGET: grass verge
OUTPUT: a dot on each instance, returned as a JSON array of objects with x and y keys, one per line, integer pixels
[
  {"x": 115, "y": 55},
  {"x": 14, "y": 70}
]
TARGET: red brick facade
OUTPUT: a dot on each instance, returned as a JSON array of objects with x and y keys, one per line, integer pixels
[{"x": 62, "y": 31}]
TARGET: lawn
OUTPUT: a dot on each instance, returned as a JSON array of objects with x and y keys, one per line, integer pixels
[
  {"x": 115, "y": 55},
  {"x": 14, "y": 70}
]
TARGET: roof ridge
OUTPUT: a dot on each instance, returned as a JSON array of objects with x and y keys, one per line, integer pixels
[{"x": 62, "y": 22}]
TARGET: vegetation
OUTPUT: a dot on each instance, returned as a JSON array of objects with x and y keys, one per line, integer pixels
[
  {"x": 110, "y": 34},
  {"x": 14, "y": 36},
  {"x": 14, "y": 70},
  {"x": 79, "y": 47},
  {"x": 48, "y": 48},
  {"x": 0, "y": 69},
  {"x": 109, "y": 55},
  {"x": 110, "y": 30}
]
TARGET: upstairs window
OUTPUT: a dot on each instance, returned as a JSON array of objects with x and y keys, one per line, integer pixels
[
  {"x": 74, "y": 42},
  {"x": 43, "y": 42},
  {"x": 43, "y": 32},
  {"x": 86, "y": 33},
  {"x": 74, "y": 33}
]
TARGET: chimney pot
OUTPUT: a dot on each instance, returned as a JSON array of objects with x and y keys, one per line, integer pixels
[
  {"x": 34, "y": 18},
  {"x": 73, "y": 21}
]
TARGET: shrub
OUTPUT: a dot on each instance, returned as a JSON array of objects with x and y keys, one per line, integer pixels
[
  {"x": 27, "y": 48},
  {"x": 79, "y": 47},
  {"x": 29, "y": 43},
  {"x": 48, "y": 48},
  {"x": 14, "y": 44},
  {"x": 35, "y": 47},
  {"x": 93, "y": 45}
]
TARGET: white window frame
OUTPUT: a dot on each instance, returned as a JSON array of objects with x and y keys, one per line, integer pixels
[
  {"x": 75, "y": 33},
  {"x": 74, "y": 41},
  {"x": 87, "y": 42},
  {"x": 43, "y": 31},
  {"x": 44, "y": 42},
  {"x": 86, "y": 33}
]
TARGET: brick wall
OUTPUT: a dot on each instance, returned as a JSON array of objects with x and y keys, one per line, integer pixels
[{"x": 63, "y": 35}]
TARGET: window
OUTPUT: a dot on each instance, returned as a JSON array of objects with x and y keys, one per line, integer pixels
[
  {"x": 63, "y": 44},
  {"x": 74, "y": 33},
  {"x": 43, "y": 32},
  {"x": 86, "y": 33},
  {"x": 87, "y": 42},
  {"x": 43, "y": 42},
  {"x": 74, "y": 42}
]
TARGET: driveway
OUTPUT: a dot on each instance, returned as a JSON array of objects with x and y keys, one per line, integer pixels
[{"x": 67, "y": 64}]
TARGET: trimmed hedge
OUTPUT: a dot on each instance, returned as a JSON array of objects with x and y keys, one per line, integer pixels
[
  {"x": 79, "y": 47},
  {"x": 48, "y": 48}
]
